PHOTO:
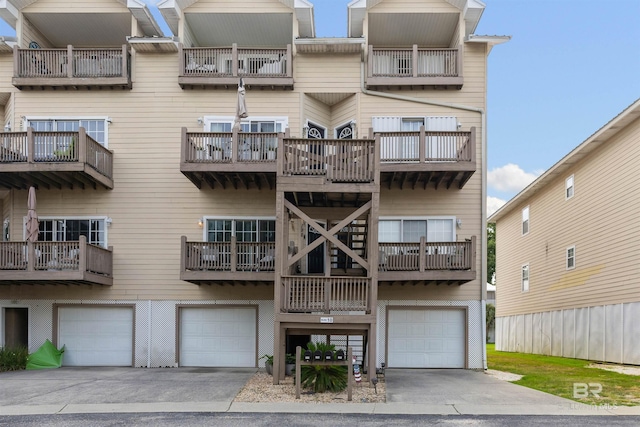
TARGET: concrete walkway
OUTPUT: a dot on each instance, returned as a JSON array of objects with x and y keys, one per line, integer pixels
[{"x": 125, "y": 390}]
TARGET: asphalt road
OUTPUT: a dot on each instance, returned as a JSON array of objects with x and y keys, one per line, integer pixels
[{"x": 307, "y": 420}]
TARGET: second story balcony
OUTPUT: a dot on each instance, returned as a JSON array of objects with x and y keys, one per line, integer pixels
[
  {"x": 222, "y": 67},
  {"x": 66, "y": 263},
  {"x": 421, "y": 159},
  {"x": 416, "y": 67},
  {"x": 72, "y": 68},
  {"x": 54, "y": 160},
  {"x": 227, "y": 262},
  {"x": 427, "y": 262}
]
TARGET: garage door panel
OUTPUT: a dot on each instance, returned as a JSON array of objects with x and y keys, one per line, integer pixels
[
  {"x": 429, "y": 338},
  {"x": 218, "y": 337},
  {"x": 96, "y": 336}
]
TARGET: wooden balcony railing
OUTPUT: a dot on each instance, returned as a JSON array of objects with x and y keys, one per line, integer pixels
[
  {"x": 340, "y": 160},
  {"x": 222, "y": 147},
  {"x": 72, "y": 67},
  {"x": 427, "y": 146},
  {"x": 70, "y": 261},
  {"x": 415, "y": 66},
  {"x": 230, "y": 256},
  {"x": 325, "y": 294},
  {"x": 209, "y": 66},
  {"x": 425, "y": 256},
  {"x": 35, "y": 157}
]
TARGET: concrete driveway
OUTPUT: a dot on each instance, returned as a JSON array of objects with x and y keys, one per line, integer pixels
[
  {"x": 121, "y": 388},
  {"x": 470, "y": 392}
]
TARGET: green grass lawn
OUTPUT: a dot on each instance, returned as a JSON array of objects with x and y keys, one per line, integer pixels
[{"x": 557, "y": 375}]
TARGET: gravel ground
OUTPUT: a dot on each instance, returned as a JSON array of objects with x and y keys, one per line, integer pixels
[
  {"x": 628, "y": 370},
  {"x": 504, "y": 376},
  {"x": 260, "y": 388}
]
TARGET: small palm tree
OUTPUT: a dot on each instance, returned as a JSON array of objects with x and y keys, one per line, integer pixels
[{"x": 324, "y": 378}]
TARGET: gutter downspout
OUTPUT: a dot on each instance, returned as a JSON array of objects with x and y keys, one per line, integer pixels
[{"x": 483, "y": 120}]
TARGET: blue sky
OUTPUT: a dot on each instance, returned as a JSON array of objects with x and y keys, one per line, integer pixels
[{"x": 571, "y": 66}]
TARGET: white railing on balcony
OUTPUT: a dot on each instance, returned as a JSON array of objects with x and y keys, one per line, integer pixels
[{"x": 325, "y": 294}]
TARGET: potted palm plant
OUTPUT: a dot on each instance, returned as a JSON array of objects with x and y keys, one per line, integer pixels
[{"x": 289, "y": 367}]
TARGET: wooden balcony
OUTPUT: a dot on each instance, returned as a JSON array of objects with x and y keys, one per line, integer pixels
[
  {"x": 414, "y": 68},
  {"x": 231, "y": 262},
  {"x": 55, "y": 263},
  {"x": 432, "y": 262},
  {"x": 264, "y": 68},
  {"x": 72, "y": 68},
  {"x": 54, "y": 160},
  {"x": 422, "y": 159},
  {"x": 318, "y": 294}
]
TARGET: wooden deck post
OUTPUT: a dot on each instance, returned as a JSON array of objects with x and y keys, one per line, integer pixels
[
  {"x": 234, "y": 254},
  {"x": 70, "y": 61},
  {"x": 83, "y": 253}
]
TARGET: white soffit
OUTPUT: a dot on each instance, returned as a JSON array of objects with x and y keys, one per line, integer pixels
[
  {"x": 329, "y": 99},
  {"x": 9, "y": 12},
  {"x": 154, "y": 44},
  {"x": 146, "y": 21},
  {"x": 356, "y": 11},
  {"x": 7, "y": 44},
  {"x": 304, "y": 15},
  {"x": 601, "y": 136},
  {"x": 170, "y": 11},
  {"x": 329, "y": 45}
]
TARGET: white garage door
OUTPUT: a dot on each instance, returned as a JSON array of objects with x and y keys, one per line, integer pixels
[
  {"x": 220, "y": 337},
  {"x": 96, "y": 336},
  {"x": 426, "y": 338}
]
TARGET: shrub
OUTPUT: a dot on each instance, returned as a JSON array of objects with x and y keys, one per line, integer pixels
[
  {"x": 13, "y": 358},
  {"x": 324, "y": 378}
]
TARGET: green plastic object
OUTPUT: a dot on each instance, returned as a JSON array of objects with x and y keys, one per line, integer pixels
[{"x": 46, "y": 357}]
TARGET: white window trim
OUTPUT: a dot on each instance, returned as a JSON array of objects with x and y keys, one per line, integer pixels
[
  {"x": 205, "y": 218},
  {"x": 207, "y": 120},
  {"x": 342, "y": 125},
  {"x": 566, "y": 259},
  {"x": 308, "y": 123},
  {"x": 566, "y": 187},
  {"x": 524, "y": 288},
  {"x": 421, "y": 218},
  {"x": 106, "y": 120},
  {"x": 528, "y": 220},
  {"x": 57, "y": 217}
]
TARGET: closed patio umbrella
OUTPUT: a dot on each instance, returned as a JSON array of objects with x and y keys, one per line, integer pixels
[
  {"x": 32, "y": 223},
  {"x": 241, "y": 108}
]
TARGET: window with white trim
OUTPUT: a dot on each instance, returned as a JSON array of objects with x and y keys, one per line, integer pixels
[
  {"x": 254, "y": 124},
  {"x": 525, "y": 278},
  {"x": 568, "y": 188},
  {"x": 70, "y": 229},
  {"x": 411, "y": 230},
  {"x": 245, "y": 230},
  {"x": 571, "y": 257},
  {"x": 525, "y": 221},
  {"x": 96, "y": 127}
]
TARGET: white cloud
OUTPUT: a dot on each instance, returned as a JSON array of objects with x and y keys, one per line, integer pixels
[
  {"x": 509, "y": 178},
  {"x": 493, "y": 204}
]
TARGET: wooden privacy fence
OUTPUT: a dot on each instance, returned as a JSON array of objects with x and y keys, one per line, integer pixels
[{"x": 325, "y": 294}]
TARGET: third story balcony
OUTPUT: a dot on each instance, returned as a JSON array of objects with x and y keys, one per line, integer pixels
[
  {"x": 72, "y": 68},
  {"x": 415, "y": 67},
  {"x": 222, "y": 67},
  {"x": 57, "y": 159}
]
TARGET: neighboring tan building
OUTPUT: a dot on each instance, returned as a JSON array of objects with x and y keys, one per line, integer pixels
[
  {"x": 566, "y": 284},
  {"x": 347, "y": 205}
]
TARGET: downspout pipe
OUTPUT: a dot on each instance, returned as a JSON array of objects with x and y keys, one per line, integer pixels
[{"x": 483, "y": 120}]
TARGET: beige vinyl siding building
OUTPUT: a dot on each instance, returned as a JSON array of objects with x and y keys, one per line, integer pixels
[
  {"x": 179, "y": 234},
  {"x": 582, "y": 299}
]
